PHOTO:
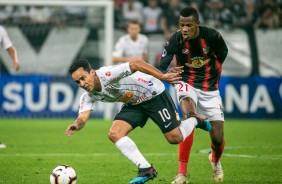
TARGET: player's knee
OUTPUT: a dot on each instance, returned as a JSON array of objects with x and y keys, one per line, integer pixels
[
  {"x": 113, "y": 136},
  {"x": 174, "y": 139}
]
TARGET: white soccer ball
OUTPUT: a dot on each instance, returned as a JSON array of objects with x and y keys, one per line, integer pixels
[{"x": 63, "y": 174}]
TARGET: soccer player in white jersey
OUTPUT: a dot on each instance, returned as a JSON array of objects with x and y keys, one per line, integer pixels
[
  {"x": 132, "y": 45},
  {"x": 136, "y": 84},
  {"x": 7, "y": 45}
]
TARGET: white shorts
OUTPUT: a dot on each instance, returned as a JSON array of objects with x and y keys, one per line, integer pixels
[{"x": 208, "y": 103}]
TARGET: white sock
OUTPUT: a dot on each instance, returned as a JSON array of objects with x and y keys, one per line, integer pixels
[
  {"x": 187, "y": 126},
  {"x": 130, "y": 150}
]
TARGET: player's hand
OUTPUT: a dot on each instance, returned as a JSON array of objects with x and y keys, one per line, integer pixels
[
  {"x": 71, "y": 129},
  {"x": 178, "y": 69},
  {"x": 16, "y": 65},
  {"x": 172, "y": 78}
]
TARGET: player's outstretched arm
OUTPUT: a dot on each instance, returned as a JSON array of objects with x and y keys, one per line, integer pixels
[
  {"x": 79, "y": 123},
  {"x": 13, "y": 54},
  {"x": 139, "y": 65}
]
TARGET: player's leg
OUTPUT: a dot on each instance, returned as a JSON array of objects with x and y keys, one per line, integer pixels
[
  {"x": 217, "y": 146},
  {"x": 187, "y": 98},
  {"x": 210, "y": 104},
  {"x": 163, "y": 112},
  {"x": 125, "y": 121},
  {"x": 184, "y": 148}
]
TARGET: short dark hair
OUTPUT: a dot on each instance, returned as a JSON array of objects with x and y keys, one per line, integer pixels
[
  {"x": 133, "y": 22},
  {"x": 80, "y": 63},
  {"x": 190, "y": 11}
]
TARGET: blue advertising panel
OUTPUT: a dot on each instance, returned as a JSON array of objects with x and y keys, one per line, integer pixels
[
  {"x": 252, "y": 97},
  {"x": 49, "y": 96},
  {"x": 40, "y": 96}
]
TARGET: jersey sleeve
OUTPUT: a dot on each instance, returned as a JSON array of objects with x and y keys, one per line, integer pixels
[
  {"x": 146, "y": 45},
  {"x": 5, "y": 40},
  {"x": 86, "y": 103},
  {"x": 169, "y": 50},
  {"x": 219, "y": 46},
  {"x": 119, "y": 48},
  {"x": 116, "y": 72}
]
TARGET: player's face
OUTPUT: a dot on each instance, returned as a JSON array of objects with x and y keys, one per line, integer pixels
[
  {"x": 133, "y": 30},
  {"x": 84, "y": 79},
  {"x": 189, "y": 27}
]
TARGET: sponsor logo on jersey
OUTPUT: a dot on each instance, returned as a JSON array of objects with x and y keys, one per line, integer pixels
[
  {"x": 177, "y": 116},
  {"x": 108, "y": 73},
  {"x": 185, "y": 51},
  {"x": 126, "y": 96},
  {"x": 150, "y": 83},
  {"x": 140, "y": 99},
  {"x": 197, "y": 62},
  {"x": 164, "y": 53}
]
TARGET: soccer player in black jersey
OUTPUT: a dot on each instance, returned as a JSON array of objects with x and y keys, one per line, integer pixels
[{"x": 200, "y": 52}]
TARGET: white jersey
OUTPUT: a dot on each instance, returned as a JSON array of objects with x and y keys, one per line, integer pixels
[
  {"x": 126, "y": 47},
  {"x": 118, "y": 84},
  {"x": 4, "y": 39}
]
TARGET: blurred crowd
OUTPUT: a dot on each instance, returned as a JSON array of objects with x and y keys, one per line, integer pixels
[
  {"x": 155, "y": 16},
  {"x": 162, "y": 15}
]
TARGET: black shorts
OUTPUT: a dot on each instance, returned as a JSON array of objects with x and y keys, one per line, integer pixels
[{"x": 160, "y": 109}]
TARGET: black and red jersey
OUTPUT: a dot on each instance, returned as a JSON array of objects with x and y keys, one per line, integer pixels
[{"x": 201, "y": 57}]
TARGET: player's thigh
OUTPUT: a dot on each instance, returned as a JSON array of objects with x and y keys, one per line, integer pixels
[
  {"x": 162, "y": 111},
  {"x": 133, "y": 115},
  {"x": 184, "y": 91},
  {"x": 210, "y": 105}
]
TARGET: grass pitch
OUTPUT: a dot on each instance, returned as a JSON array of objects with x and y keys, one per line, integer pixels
[{"x": 253, "y": 152}]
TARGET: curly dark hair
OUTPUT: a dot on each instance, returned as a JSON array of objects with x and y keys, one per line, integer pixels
[{"x": 190, "y": 11}]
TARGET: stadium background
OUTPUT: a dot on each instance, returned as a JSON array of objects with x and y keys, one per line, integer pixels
[
  {"x": 49, "y": 38},
  {"x": 38, "y": 102}
]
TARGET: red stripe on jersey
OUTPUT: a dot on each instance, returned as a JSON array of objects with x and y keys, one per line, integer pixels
[
  {"x": 191, "y": 70},
  {"x": 219, "y": 69},
  {"x": 206, "y": 66}
]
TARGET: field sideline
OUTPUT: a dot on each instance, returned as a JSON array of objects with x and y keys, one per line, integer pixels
[{"x": 253, "y": 152}]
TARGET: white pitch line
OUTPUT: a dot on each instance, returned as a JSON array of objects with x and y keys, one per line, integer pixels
[{"x": 270, "y": 157}]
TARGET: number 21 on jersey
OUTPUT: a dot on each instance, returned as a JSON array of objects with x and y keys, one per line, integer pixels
[{"x": 183, "y": 87}]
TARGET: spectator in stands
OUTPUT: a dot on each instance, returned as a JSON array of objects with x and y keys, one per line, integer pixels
[
  {"x": 170, "y": 17},
  {"x": 226, "y": 18},
  {"x": 7, "y": 44},
  {"x": 243, "y": 13},
  {"x": 75, "y": 15},
  {"x": 132, "y": 10},
  {"x": 131, "y": 45},
  {"x": 40, "y": 14},
  {"x": 20, "y": 15},
  {"x": 152, "y": 18},
  {"x": 118, "y": 16},
  {"x": 5, "y": 13},
  {"x": 269, "y": 18},
  {"x": 212, "y": 12}
]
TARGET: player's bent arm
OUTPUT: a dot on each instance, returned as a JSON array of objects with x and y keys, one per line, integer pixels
[
  {"x": 13, "y": 54},
  {"x": 79, "y": 122},
  {"x": 139, "y": 65}
]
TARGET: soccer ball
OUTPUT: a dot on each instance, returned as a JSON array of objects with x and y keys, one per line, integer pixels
[{"x": 63, "y": 174}]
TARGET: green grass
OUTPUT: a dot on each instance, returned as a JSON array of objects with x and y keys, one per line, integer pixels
[{"x": 253, "y": 152}]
